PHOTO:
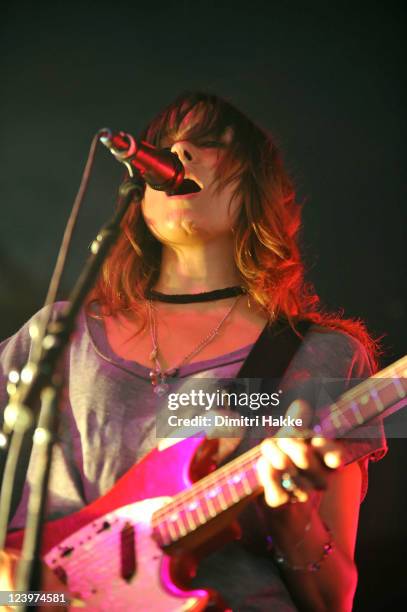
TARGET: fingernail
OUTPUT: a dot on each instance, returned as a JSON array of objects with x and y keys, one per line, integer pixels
[
  {"x": 317, "y": 442},
  {"x": 332, "y": 459}
]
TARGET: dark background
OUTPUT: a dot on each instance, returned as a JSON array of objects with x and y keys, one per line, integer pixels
[{"x": 327, "y": 79}]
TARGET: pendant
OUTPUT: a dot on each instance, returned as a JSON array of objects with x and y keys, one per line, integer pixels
[
  {"x": 158, "y": 381},
  {"x": 161, "y": 389}
]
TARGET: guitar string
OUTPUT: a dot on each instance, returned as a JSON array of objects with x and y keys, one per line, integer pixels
[
  {"x": 178, "y": 503},
  {"x": 360, "y": 388},
  {"x": 206, "y": 481},
  {"x": 89, "y": 555},
  {"x": 171, "y": 508},
  {"x": 207, "y": 478},
  {"x": 73, "y": 564},
  {"x": 223, "y": 473},
  {"x": 181, "y": 497},
  {"x": 86, "y": 555},
  {"x": 356, "y": 393},
  {"x": 201, "y": 485},
  {"x": 111, "y": 539},
  {"x": 338, "y": 407}
]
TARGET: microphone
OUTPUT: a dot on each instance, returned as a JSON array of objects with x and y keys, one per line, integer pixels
[{"x": 160, "y": 168}]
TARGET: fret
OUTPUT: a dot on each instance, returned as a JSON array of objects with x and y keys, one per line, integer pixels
[
  {"x": 191, "y": 523},
  {"x": 163, "y": 532},
  {"x": 388, "y": 393},
  {"x": 222, "y": 499},
  {"x": 200, "y": 513},
  {"x": 194, "y": 510},
  {"x": 241, "y": 484},
  {"x": 335, "y": 416},
  {"x": 400, "y": 390},
  {"x": 212, "y": 495},
  {"x": 213, "y": 492},
  {"x": 363, "y": 402},
  {"x": 246, "y": 484},
  {"x": 326, "y": 427},
  {"x": 181, "y": 525},
  {"x": 377, "y": 399},
  {"x": 237, "y": 484},
  {"x": 193, "y": 505},
  {"x": 194, "y": 514},
  {"x": 253, "y": 478},
  {"x": 232, "y": 490},
  {"x": 210, "y": 506},
  {"x": 356, "y": 412},
  {"x": 171, "y": 529},
  {"x": 227, "y": 497},
  {"x": 179, "y": 522},
  {"x": 348, "y": 417},
  {"x": 237, "y": 480}
]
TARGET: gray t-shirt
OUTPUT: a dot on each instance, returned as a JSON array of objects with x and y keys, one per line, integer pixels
[{"x": 107, "y": 423}]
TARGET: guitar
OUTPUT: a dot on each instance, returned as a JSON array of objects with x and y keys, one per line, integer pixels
[{"x": 130, "y": 547}]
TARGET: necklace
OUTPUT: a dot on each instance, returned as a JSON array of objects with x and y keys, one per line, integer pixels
[
  {"x": 158, "y": 376},
  {"x": 189, "y": 298}
]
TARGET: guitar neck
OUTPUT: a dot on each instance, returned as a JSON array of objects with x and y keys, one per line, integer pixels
[{"x": 236, "y": 481}]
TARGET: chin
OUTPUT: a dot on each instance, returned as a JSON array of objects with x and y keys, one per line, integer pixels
[{"x": 184, "y": 231}]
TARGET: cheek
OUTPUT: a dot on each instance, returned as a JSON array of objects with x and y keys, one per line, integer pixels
[{"x": 235, "y": 208}]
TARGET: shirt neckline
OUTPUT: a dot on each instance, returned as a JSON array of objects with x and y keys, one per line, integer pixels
[{"x": 97, "y": 333}]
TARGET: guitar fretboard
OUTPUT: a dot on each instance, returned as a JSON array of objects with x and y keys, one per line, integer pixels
[
  {"x": 365, "y": 401},
  {"x": 237, "y": 480},
  {"x": 206, "y": 499}
]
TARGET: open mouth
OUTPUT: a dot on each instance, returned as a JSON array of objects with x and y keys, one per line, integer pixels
[{"x": 187, "y": 186}]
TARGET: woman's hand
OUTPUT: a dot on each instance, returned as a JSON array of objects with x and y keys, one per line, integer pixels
[{"x": 293, "y": 463}]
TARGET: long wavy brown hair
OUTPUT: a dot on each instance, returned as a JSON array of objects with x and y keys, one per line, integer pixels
[{"x": 266, "y": 233}]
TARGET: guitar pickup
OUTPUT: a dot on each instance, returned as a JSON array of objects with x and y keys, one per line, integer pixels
[{"x": 128, "y": 561}]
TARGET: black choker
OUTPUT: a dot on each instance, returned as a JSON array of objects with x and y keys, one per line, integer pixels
[{"x": 189, "y": 298}]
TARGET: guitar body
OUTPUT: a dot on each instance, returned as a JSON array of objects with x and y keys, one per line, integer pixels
[
  {"x": 113, "y": 554},
  {"x": 105, "y": 553}
]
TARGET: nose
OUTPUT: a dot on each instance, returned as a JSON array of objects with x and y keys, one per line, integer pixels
[{"x": 184, "y": 150}]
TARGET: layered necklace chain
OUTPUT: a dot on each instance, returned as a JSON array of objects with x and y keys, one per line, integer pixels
[{"x": 158, "y": 375}]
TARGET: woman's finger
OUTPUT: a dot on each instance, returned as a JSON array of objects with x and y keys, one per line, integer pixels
[
  {"x": 296, "y": 450},
  {"x": 274, "y": 494},
  {"x": 278, "y": 459},
  {"x": 280, "y": 480},
  {"x": 330, "y": 451}
]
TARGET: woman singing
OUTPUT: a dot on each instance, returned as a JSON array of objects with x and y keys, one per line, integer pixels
[{"x": 195, "y": 279}]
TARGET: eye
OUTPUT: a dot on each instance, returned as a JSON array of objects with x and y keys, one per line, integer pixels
[{"x": 211, "y": 144}]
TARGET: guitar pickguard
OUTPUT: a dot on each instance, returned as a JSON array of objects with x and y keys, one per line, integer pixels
[{"x": 102, "y": 572}]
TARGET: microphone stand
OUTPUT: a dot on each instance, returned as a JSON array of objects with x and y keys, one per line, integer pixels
[
  {"x": 41, "y": 382},
  {"x": 29, "y": 574}
]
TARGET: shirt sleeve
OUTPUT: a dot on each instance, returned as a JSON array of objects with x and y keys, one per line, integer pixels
[
  {"x": 14, "y": 353},
  {"x": 65, "y": 488},
  {"x": 341, "y": 359}
]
